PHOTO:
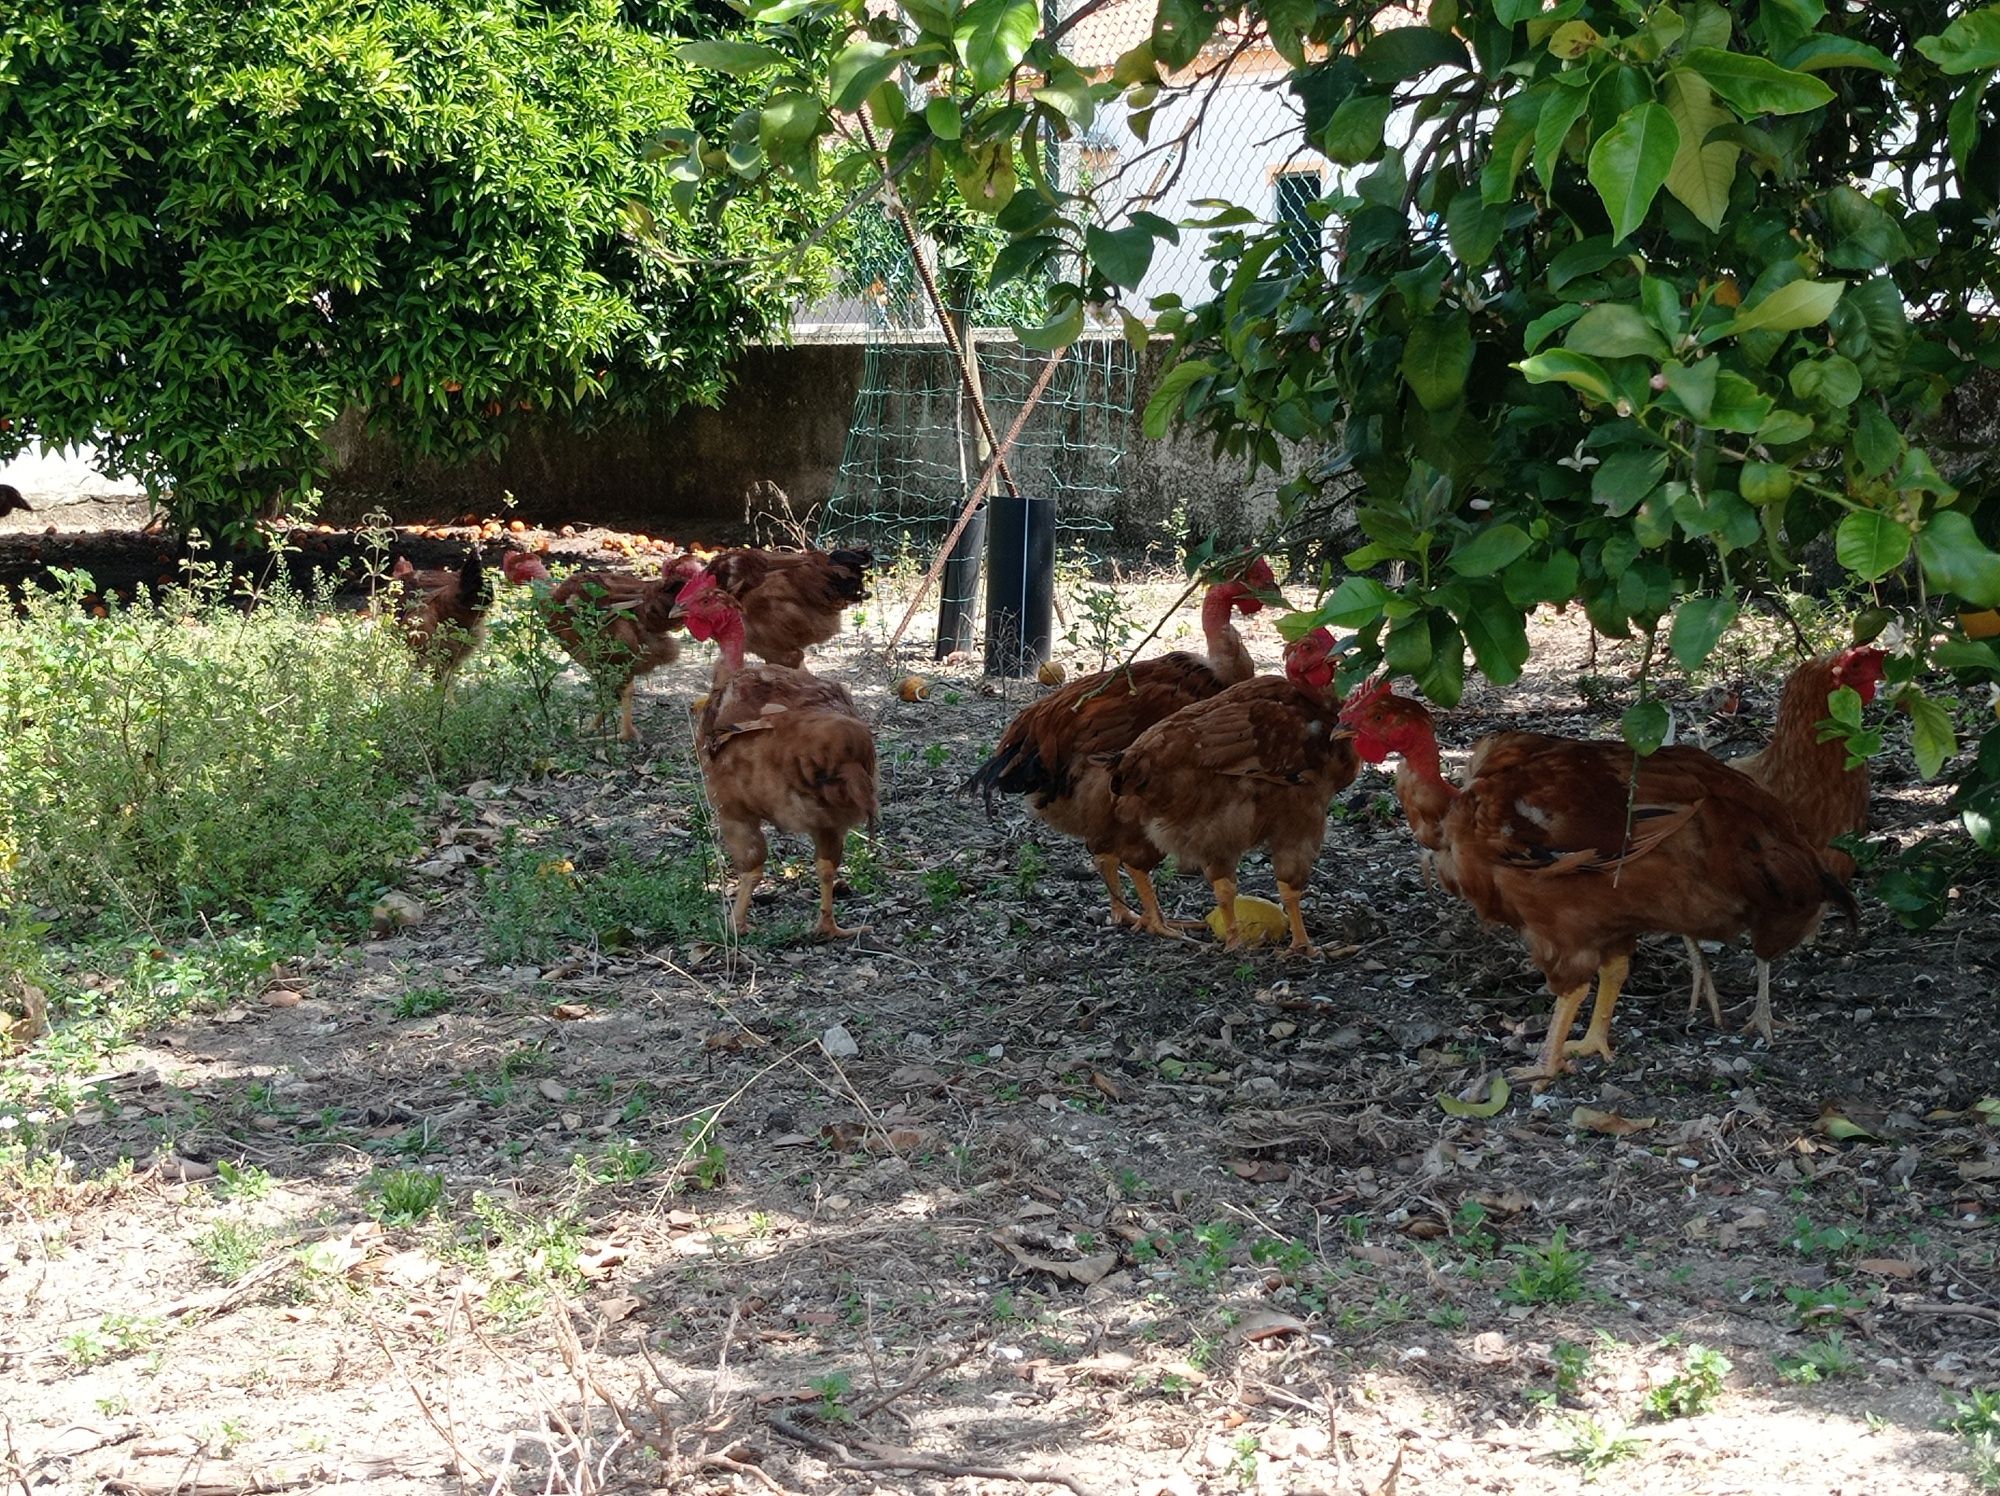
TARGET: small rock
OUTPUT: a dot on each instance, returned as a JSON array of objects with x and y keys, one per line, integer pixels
[
  {"x": 838, "y": 1043},
  {"x": 395, "y": 911}
]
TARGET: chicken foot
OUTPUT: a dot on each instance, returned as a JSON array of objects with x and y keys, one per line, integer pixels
[
  {"x": 826, "y": 929},
  {"x": 1702, "y": 983},
  {"x": 747, "y": 878},
  {"x": 1760, "y": 1020},
  {"x": 1292, "y": 898},
  {"x": 1558, "y": 1047},
  {"x": 1152, "y": 921},
  {"x": 1107, "y": 865}
]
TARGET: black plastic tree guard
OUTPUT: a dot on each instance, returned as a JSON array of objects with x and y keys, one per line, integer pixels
[
  {"x": 1020, "y": 583},
  {"x": 959, "y": 593}
]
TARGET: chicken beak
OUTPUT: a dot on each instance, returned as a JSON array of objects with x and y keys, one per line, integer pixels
[{"x": 1342, "y": 735}]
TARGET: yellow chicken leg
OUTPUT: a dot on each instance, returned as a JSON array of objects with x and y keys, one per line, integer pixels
[
  {"x": 1153, "y": 922},
  {"x": 1701, "y": 982},
  {"x": 826, "y": 929},
  {"x": 1553, "y": 1062},
  {"x": 1121, "y": 912},
  {"x": 746, "y": 884},
  {"x": 627, "y": 733},
  {"x": 1296, "y": 916},
  {"x": 1610, "y": 982}
]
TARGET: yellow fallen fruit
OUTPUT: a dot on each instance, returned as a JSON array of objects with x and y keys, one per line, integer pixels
[
  {"x": 913, "y": 688},
  {"x": 1051, "y": 673},
  {"x": 698, "y": 705},
  {"x": 1257, "y": 920},
  {"x": 1984, "y": 624}
]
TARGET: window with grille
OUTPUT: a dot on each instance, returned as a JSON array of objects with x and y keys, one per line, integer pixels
[{"x": 1295, "y": 193}]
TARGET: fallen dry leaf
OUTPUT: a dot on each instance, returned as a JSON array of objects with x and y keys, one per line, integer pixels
[
  {"x": 1260, "y": 1170},
  {"x": 1887, "y": 1267},
  {"x": 1590, "y": 1119},
  {"x": 1086, "y": 1271},
  {"x": 1266, "y": 1324},
  {"x": 732, "y": 1040},
  {"x": 1111, "y": 1089},
  {"x": 283, "y": 997},
  {"x": 570, "y": 1012},
  {"x": 619, "y": 1309}
]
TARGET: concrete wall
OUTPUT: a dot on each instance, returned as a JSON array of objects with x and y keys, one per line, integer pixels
[{"x": 785, "y": 419}]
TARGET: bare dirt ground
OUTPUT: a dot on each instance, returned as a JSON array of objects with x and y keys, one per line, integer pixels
[{"x": 996, "y": 1194}]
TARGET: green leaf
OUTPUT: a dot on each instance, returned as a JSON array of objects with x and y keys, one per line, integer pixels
[
  {"x": 1957, "y": 560},
  {"x": 1699, "y": 624},
  {"x": 1560, "y": 366},
  {"x": 1693, "y": 385},
  {"x": 1355, "y": 603},
  {"x": 1488, "y": 551},
  {"x": 1615, "y": 329},
  {"x": 1499, "y": 638},
  {"x": 1019, "y": 256},
  {"x": 1170, "y": 393},
  {"x": 1971, "y": 44},
  {"x": 1931, "y": 736},
  {"x": 985, "y": 176},
  {"x": 737, "y": 58},
  {"x": 1878, "y": 445},
  {"x": 1573, "y": 39},
  {"x": 789, "y": 119},
  {"x": 1629, "y": 164},
  {"x": 859, "y": 67},
  {"x": 1437, "y": 357},
  {"x": 1832, "y": 380},
  {"x": 943, "y": 116},
  {"x": 1818, "y": 54},
  {"x": 1625, "y": 478},
  {"x": 1474, "y": 227},
  {"x": 1563, "y": 108},
  {"x": 1410, "y": 52},
  {"x": 1354, "y": 134},
  {"x": 1644, "y": 726},
  {"x": 1062, "y": 329},
  {"x": 1552, "y": 579},
  {"x": 1407, "y": 651},
  {"x": 1513, "y": 138},
  {"x": 993, "y": 36},
  {"x": 1492, "y": 1106},
  {"x": 1554, "y": 320},
  {"x": 1800, "y": 303},
  {"x": 1702, "y": 171},
  {"x": 1122, "y": 254},
  {"x": 1871, "y": 544},
  {"x": 1756, "y": 85}
]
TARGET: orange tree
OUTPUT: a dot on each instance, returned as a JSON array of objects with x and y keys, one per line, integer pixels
[
  {"x": 224, "y": 223},
  {"x": 1651, "y": 296}
]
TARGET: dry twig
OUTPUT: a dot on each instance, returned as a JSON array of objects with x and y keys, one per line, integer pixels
[{"x": 879, "y": 1457}]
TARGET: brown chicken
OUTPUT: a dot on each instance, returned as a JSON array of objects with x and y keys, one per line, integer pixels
[
  {"x": 1584, "y": 848},
  {"x": 778, "y": 746},
  {"x": 11, "y": 500},
  {"x": 1053, "y": 752},
  {"x": 1254, "y": 766},
  {"x": 443, "y": 611},
  {"x": 617, "y": 625},
  {"x": 1811, "y": 777},
  {"x": 791, "y": 600}
]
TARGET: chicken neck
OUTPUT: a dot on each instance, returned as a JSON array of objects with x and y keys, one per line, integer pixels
[
  {"x": 1421, "y": 788},
  {"x": 1226, "y": 650}
]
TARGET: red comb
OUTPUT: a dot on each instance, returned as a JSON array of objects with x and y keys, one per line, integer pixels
[{"x": 1259, "y": 574}]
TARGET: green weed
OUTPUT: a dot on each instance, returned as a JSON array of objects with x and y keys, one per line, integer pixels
[
  {"x": 1546, "y": 1275},
  {"x": 405, "y": 1196},
  {"x": 230, "y": 1249},
  {"x": 534, "y": 901},
  {"x": 1692, "y": 1390},
  {"x": 1822, "y": 1361}
]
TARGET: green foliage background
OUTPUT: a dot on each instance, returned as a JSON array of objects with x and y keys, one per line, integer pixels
[{"x": 224, "y": 223}]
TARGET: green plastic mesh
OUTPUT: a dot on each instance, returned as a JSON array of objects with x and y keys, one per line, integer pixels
[{"x": 902, "y": 478}]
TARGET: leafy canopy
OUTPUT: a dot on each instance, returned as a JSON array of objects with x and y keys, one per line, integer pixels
[
  {"x": 225, "y": 223},
  {"x": 1634, "y": 300}
]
